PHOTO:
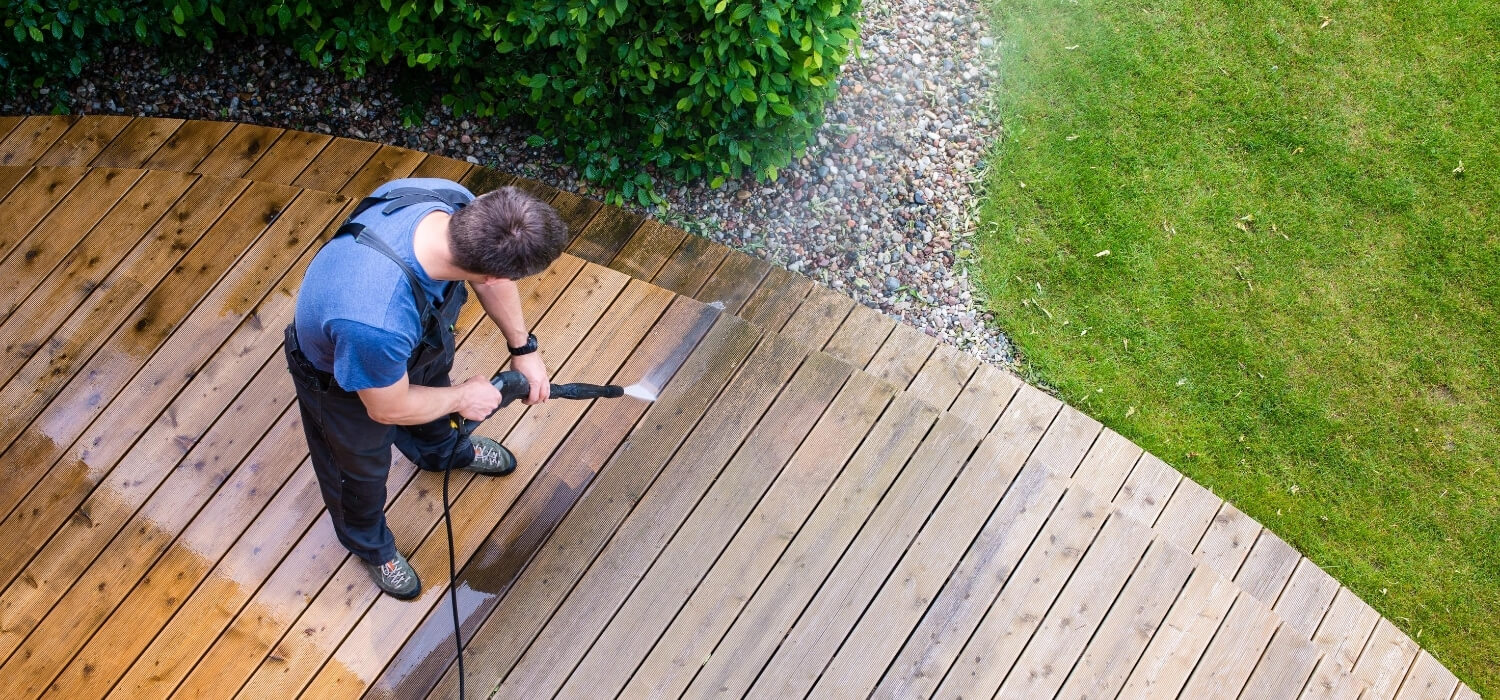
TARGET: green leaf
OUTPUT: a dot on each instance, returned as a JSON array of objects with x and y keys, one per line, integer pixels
[
  {"x": 218, "y": 14},
  {"x": 717, "y": 182},
  {"x": 36, "y": 34},
  {"x": 774, "y": 26},
  {"x": 177, "y": 15},
  {"x": 684, "y": 103},
  {"x": 620, "y": 6},
  {"x": 747, "y": 94},
  {"x": 424, "y": 58},
  {"x": 742, "y": 11},
  {"x": 719, "y": 8}
]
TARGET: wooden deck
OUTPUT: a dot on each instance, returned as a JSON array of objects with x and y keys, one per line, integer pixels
[{"x": 822, "y": 502}]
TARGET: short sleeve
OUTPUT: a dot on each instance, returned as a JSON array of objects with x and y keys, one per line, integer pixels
[{"x": 366, "y": 357}]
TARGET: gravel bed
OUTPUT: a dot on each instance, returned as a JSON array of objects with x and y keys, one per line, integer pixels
[{"x": 882, "y": 208}]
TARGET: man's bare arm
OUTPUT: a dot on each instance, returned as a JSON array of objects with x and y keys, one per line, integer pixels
[
  {"x": 501, "y": 300},
  {"x": 403, "y": 403}
]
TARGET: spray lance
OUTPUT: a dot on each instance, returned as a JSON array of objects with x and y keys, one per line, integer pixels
[{"x": 512, "y": 385}]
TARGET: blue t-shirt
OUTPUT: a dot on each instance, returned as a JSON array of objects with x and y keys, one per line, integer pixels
[{"x": 356, "y": 315}]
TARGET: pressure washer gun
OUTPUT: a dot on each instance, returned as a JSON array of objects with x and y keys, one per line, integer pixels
[{"x": 512, "y": 385}]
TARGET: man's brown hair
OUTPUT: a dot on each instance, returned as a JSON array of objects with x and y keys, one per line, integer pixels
[{"x": 506, "y": 233}]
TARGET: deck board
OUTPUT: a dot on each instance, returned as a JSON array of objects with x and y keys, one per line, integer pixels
[{"x": 824, "y": 500}]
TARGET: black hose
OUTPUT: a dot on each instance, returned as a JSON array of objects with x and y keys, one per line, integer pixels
[{"x": 458, "y": 632}]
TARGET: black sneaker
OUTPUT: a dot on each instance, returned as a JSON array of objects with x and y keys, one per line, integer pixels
[
  {"x": 491, "y": 458},
  {"x": 397, "y": 578}
]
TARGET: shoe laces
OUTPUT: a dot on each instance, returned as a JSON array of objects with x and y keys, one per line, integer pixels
[
  {"x": 486, "y": 454},
  {"x": 394, "y": 573}
]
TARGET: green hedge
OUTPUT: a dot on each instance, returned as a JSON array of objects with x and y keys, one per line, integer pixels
[{"x": 701, "y": 88}]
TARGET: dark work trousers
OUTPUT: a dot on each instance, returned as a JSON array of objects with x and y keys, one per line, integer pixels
[{"x": 351, "y": 453}]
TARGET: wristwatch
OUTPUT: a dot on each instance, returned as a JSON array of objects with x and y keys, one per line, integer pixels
[{"x": 527, "y": 349}]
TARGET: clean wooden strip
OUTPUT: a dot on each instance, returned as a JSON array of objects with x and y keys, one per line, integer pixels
[
  {"x": 287, "y": 159},
  {"x": 779, "y": 295},
  {"x": 1283, "y": 670},
  {"x": 1187, "y": 515},
  {"x": 860, "y": 335},
  {"x": 1235, "y": 650},
  {"x": 520, "y": 615},
  {"x": 1464, "y": 692},
  {"x": 1307, "y": 598},
  {"x": 32, "y": 138},
  {"x": 764, "y": 536},
  {"x": 85, "y": 141},
  {"x": 500, "y": 560},
  {"x": 734, "y": 281},
  {"x": 989, "y": 387},
  {"x": 1057, "y": 643},
  {"x": 1267, "y": 568},
  {"x": 1027, "y": 594},
  {"x": 946, "y": 371},
  {"x": 753, "y": 636},
  {"x": 1108, "y": 464},
  {"x": 837, "y": 607},
  {"x": 387, "y": 164},
  {"x": 903, "y": 353},
  {"x": 447, "y": 169},
  {"x": 336, "y": 589},
  {"x": 9, "y": 176},
  {"x": 31, "y": 196},
  {"x": 239, "y": 151},
  {"x": 1228, "y": 540},
  {"x": 690, "y": 266},
  {"x": 49, "y": 243},
  {"x": 642, "y": 535},
  {"x": 1384, "y": 663},
  {"x": 9, "y": 124},
  {"x": 1340, "y": 637},
  {"x": 1127, "y": 628},
  {"x": 137, "y": 143},
  {"x": 186, "y": 148},
  {"x": 647, "y": 250},
  {"x": 1024, "y": 434},
  {"x": 361, "y": 629},
  {"x": 818, "y": 318},
  {"x": 1428, "y": 680},
  {"x": 820, "y": 433},
  {"x": 335, "y": 165},
  {"x": 577, "y": 211},
  {"x": 1146, "y": 492},
  {"x": 605, "y": 234},
  {"x": 117, "y": 568},
  {"x": 286, "y": 594},
  {"x": 1180, "y": 641}
]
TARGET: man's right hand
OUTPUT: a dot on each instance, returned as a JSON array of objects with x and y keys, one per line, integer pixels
[{"x": 477, "y": 398}]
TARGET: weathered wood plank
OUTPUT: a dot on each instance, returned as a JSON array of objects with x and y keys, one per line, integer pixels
[
  {"x": 1187, "y": 515},
  {"x": 39, "y": 252},
  {"x": 338, "y": 611},
  {"x": 542, "y": 190},
  {"x": 817, "y": 318},
  {"x": 336, "y": 165},
  {"x": 749, "y": 481},
  {"x": 32, "y": 138},
  {"x": 1428, "y": 680},
  {"x": 1386, "y": 659},
  {"x": 1306, "y": 599},
  {"x": 84, "y": 141},
  {"x": 944, "y": 374},
  {"x": 285, "y": 160},
  {"x": 520, "y": 615},
  {"x": 1232, "y": 655},
  {"x": 605, "y": 234},
  {"x": 1341, "y": 637},
  {"x": 186, "y": 148},
  {"x": 904, "y": 352},
  {"x": 500, "y": 560},
  {"x": 1179, "y": 642},
  {"x": 752, "y": 638},
  {"x": 1127, "y": 628},
  {"x": 386, "y": 164},
  {"x": 240, "y": 150},
  {"x": 1267, "y": 568},
  {"x": 137, "y": 143},
  {"x": 1285, "y": 667},
  {"x": 447, "y": 169},
  {"x": 861, "y": 335},
  {"x": 642, "y": 535},
  {"x": 33, "y": 193},
  {"x": 987, "y": 392},
  {"x": 1057, "y": 643},
  {"x": 1108, "y": 464},
  {"x": 333, "y": 587},
  {"x": 1146, "y": 492},
  {"x": 9, "y": 124},
  {"x": 647, "y": 250},
  {"x": 734, "y": 281},
  {"x": 1228, "y": 540},
  {"x": 690, "y": 266},
  {"x": 779, "y": 295},
  {"x": 960, "y": 519},
  {"x": 578, "y": 212}
]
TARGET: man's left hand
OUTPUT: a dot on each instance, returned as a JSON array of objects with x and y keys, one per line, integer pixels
[{"x": 535, "y": 371}]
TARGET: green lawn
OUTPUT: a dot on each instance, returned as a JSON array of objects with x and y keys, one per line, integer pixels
[{"x": 1298, "y": 305}]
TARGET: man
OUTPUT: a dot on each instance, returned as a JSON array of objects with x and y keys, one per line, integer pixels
[{"x": 372, "y": 343}]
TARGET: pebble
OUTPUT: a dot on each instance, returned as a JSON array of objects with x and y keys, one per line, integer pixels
[{"x": 906, "y": 113}]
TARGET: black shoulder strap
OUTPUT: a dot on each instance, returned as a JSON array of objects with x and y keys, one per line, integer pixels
[
  {"x": 424, "y": 305},
  {"x": 406, "y": 196}
]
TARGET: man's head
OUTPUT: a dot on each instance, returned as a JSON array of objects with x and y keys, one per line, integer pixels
[{"x": 507, "y": 234}]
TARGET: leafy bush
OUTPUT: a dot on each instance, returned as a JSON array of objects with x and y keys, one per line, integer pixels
[{"x": 702, "y": 88}]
